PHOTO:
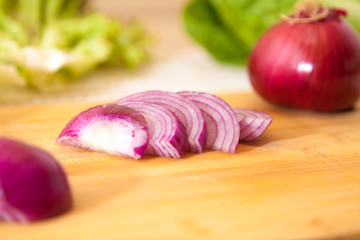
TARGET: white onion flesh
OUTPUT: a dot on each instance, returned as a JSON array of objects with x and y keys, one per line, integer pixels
[
  {"x": 168, "y": 137},
  {"x": 109, "y": 128}
]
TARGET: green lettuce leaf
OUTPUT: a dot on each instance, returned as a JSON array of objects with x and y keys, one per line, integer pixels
[
  {"x": 52, "y": 43},
  {"x": 229, "y": 29},
  {"x": 204, "y": 25},
  {"x": 249, "y": 19}
]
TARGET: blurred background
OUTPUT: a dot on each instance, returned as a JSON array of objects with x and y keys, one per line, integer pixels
[
  {"x": 174, "y": 61},
  {"x": 163, "y": 20},
  {"x": 59, "y": 50}
]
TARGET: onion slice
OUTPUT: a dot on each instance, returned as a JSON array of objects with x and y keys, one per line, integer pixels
[
  {"x": 252, "y": 123},
  {"x": 223, "y": 129},
  {"x": 109, "y": 128},
  {"x": 168, "y": 137},
  {"x": 185, "y": 110},
  {"x": 33, "y": 185}
]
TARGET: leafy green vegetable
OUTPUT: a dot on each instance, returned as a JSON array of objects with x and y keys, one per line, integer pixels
[
  {"x": 229, "y": 29},
  {"x": 46, "y": 44},
  {"x": 205, "y": 27}
]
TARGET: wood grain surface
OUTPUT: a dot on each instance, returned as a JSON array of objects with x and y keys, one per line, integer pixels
[{"x": 299, "y": 180}]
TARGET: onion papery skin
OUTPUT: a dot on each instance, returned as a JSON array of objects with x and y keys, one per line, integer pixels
[
  {"x": 108, "y": 128},
  {"x": 185, "y": 110},
  {"x": 314, "y": 65},
  {"x": 223, "y": 129},
  {"x": 167, "y": 135},
  {"x": 33, "y": 185}
]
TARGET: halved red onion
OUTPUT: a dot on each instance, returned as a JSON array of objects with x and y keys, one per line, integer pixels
[
  {"x": 109, "y": 128},
  {"x": 252, "y": 123},
  {"x": 185, "y": 110},
  {"x": 33, "y": 185},
  {"x": 223, "y": 129},
  {"x": 168, "y": 137}
]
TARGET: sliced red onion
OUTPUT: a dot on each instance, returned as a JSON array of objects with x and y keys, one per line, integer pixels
[
  {"x": 252, "y": 123},
  {"x": 109, "y": 128},
  {"x": 185, "y": 110},
  {"x": 223, "y": 129},
  {"x": 168, "y": 137},
  {"x": 33, "y": 185}
]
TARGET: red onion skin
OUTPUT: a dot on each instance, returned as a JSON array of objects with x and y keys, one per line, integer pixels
[
  {"x": 314, "y": 66},
  {"x": 252, "y": 123},
  {"x": 33, "y": 184},
  {"x": 174, "y": 142},
  {"x": 223, "y": 129},
  {"x": 186, "y": 111}
]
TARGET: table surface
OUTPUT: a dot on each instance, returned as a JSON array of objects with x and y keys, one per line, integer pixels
[{"x": 299, "y": 180}]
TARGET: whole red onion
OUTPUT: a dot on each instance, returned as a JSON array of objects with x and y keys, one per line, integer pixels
[{"x": 310, "y": 60}]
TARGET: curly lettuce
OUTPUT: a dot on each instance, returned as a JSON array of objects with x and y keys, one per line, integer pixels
[{"x": 44, "y": 45}]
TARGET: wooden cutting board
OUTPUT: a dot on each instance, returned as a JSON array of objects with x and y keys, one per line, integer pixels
[{"x": 299, "y": 180}]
